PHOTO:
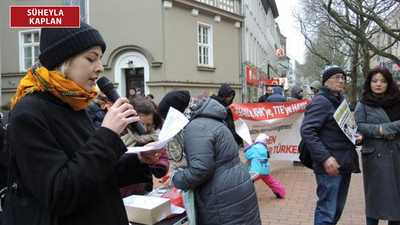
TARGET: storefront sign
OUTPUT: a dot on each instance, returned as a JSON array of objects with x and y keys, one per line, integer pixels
[
  {"x": 280, "y": 52},
  {"x": 251, "y": 76}
]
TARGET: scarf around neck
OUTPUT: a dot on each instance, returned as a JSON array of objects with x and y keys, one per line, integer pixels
[
  {"x": 389, "y": 102},
  {"x": 38, "y": 78}
]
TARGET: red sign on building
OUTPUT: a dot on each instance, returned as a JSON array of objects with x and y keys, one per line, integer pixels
[
  {"x": 251, "y": 76},
  {"x": 280, "y": 52}
]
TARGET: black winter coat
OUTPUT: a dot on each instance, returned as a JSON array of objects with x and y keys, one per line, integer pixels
[
  {"x": 72, "y": 171},
  {"x": 229, "y": 117},
  {"x": 323, "y": 136},
  {"x": 224, "y": 191}
]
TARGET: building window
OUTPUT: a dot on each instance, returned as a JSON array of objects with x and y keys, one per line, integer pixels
[
  {"x": 29, "y": 48},
  {"x": 227, "y": 5},
  {"x": 83, "y": 7},
  {"x": 205, "y": 45}
]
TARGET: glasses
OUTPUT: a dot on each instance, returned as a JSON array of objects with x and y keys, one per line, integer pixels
[{"x": 337, "y": 77}]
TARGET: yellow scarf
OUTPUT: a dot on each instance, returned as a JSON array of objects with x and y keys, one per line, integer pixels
[{"x": 38, "y": 78}]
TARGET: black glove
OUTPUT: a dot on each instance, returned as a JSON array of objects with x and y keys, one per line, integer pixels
[{"x": 159, "y": 170}]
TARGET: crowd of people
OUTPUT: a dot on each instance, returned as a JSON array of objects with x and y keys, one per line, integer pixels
[{"x": 75, "y": 170}]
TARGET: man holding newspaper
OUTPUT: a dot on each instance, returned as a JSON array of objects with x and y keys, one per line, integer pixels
[{"x": 333, "y": 153}]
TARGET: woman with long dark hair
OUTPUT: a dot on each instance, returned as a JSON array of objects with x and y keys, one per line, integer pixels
[{"x": 378, "y": 119}]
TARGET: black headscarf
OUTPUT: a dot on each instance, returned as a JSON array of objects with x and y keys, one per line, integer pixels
[{"x": 389, "y": 102}]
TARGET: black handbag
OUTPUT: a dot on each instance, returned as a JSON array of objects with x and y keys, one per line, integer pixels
[
  {"x": 305, "y": 156},
  {"x": 24, "y": 210}
]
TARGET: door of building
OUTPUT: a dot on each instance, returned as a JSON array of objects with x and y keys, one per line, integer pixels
[{"x": 134, "y": 79}]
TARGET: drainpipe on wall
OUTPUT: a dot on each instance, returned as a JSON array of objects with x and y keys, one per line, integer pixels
[{"x": 243, "y": 66}]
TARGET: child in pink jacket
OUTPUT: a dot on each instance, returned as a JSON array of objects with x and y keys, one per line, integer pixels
[{"x": 257, "y": 154}]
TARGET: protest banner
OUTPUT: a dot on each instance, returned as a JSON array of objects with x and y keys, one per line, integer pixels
[{"x": 281, "y": 121}]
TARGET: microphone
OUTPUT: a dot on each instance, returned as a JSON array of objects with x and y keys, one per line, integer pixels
[{"x": 107, "y": 88}]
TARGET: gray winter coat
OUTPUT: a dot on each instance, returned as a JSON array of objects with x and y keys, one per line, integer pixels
[
  {"x": 224, "y": 191},
  {"x": 380, "y": 162}
]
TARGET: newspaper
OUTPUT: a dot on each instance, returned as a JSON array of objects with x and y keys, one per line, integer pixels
[
  {"x": 174, "y": 123},
  {"x": 345, "y": 120}
]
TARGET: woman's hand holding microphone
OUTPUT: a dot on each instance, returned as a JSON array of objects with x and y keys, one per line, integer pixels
[{"x": 117, "y": 117}]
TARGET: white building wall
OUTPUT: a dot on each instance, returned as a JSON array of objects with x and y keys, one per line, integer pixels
[{"x": 261, "y": 37}]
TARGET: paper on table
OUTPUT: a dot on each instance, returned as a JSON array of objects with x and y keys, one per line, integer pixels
[
  {"x": 174, "y": 122},
  {"x": 176, "y": 209}
]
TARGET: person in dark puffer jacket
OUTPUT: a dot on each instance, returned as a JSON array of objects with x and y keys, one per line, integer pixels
[{"x": 224, "y": 192}]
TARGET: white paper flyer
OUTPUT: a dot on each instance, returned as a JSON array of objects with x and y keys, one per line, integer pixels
[
  {"x": 174, "y": 123},
  {"x": 345, "y": 120}
]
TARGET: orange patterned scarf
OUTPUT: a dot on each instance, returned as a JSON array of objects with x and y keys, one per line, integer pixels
[{"x": 38, "y": 78}]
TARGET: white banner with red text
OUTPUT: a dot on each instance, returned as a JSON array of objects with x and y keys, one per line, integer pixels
[{"x": 281, "y": 121}]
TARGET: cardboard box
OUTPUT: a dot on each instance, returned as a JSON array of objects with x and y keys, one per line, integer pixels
[{"x": 146, "y": 210}]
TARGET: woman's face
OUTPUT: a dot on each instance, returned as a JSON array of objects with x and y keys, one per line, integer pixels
[
  {"x": 84, "y": 68},
  {"x": 147, "y": 121},
  {"x": 378, "y": 84}
]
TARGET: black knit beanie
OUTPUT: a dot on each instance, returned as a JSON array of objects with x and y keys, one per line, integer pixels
[
  {"x": 177, "y": 99},
  {"x": 332, "y": 70},
  {"x": 60, "y": 44}
]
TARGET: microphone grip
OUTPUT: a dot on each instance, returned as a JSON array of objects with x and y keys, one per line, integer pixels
[{"x": 108, "y": 89}]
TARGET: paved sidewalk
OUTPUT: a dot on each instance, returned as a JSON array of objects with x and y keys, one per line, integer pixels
[{"x": 299, "y": 204}]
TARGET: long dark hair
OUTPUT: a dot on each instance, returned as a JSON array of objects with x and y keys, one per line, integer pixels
[
  {"x": 392, "y": 85},
  {"x": 143, "y": 105}
]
